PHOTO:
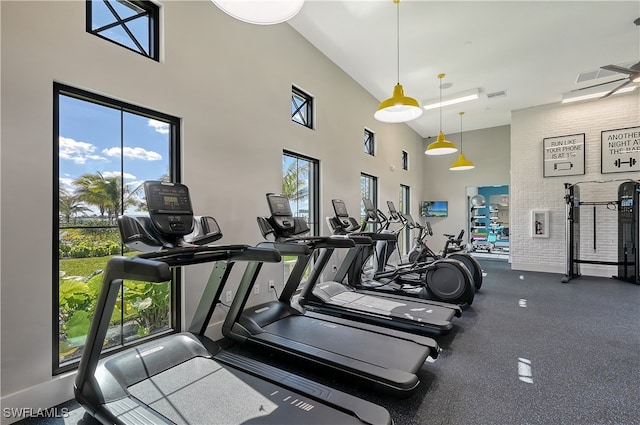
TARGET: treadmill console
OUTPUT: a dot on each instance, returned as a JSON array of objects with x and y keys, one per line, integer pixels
[
  {"x": 409, "y": 220},
  {"x": 340, "y": 210},
  {"x": 370, "y": 210},
  {"x": 393, "y": 212},
  {"x": 281, "y": 215},
  {"x": 169, "y": 207}
]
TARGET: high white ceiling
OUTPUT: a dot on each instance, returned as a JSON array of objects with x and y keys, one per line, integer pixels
[{"x": 532, "y": 50}]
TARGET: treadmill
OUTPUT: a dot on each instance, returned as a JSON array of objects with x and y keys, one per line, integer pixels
[
  {"x": 338, "y": 299},
  {"x": 187, "y": 378},
  {"x": 383, "y": 359}
]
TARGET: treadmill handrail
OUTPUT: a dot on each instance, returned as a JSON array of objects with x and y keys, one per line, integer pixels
[
  {"x": 150, "y": 270},
  {"x": 302, "y": 246},
  {"x": 188, "y": 255}
]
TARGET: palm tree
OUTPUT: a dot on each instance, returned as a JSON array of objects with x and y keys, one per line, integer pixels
[
  {"x": 69, "y": 205},
  {"x": 88, "y": 189},
  {"x": 293, "y": 186},
  {"x": 108, "y": 194}
]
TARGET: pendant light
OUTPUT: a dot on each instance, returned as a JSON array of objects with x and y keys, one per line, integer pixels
[
  {"x": 398, "y": 108},
  {"x": 462, "y": 163},
  {"x": 260, "y": 12},
  {"x": 441, "y": 146}
]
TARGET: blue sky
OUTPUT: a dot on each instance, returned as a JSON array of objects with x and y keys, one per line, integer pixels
[{"x": 93, "y": 136}]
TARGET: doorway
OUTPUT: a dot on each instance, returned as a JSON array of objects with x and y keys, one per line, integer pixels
[{"x": 488, "y": 209}]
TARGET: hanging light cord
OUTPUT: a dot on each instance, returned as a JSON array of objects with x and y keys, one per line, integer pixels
[
  {"x": 440, "y": 77},
  {"x": 397, "y": 2},
  {"x": 461, "y": 114}
]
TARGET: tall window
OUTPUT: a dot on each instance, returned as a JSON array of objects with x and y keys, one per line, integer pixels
[
  {"x": 405, "y": 160},
  {"x": 300, "y": 185},
  {"x": 103, "y": 151},
  {"x": 368, "y": 189},
  {"x": 404, "y": 207},
  {"x": 301, "y": 107},
  {"x": 134, "y": 24},
  {"x": 369, "y": 142}
]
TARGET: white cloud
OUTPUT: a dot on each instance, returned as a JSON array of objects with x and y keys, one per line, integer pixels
[
  {"x": 77, "y": 152},
  {"x": 159, "y": 126},
  {"x": 110, "y": 174},
  {"x": 133, "y": 153},
  {"x": 66, "y": 183}
]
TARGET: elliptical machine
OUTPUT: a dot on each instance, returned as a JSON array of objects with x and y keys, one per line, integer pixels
[
  {"x": 444, "y": 280},
  {"x": 421, "y": 253}
]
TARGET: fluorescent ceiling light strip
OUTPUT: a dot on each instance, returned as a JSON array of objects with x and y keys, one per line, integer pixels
[
  {"x": 453, "y": 99},
  {"x": 596, "y": 95}
]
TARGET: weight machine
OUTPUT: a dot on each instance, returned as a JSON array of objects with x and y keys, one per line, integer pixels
[{"x": 628, "y": 241}]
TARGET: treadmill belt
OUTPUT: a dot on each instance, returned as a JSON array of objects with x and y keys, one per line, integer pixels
[
  {"x": 367, "y": 303},
  {"x": 202, "y": 391},
  {"x": 394, "y": 308},
  {"x": 365, "y": 346}
]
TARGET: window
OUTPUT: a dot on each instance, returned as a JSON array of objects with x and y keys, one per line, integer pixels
[
  {"x": 369, "y": 190},
  {"x": 405, "y": 160},
  {"x": 133, "y": 24},
  {"x": 404, "y": 207},
  {"x": 300, "y": 183},
  {"x": 103, "y": 151},
  {"x": 369, "y": 142},
  {"x": 301, "y": 107}
]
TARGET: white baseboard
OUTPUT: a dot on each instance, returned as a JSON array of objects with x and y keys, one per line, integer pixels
[
  {"x": 597, "y": 270},
  {"x": 537, "y": 268},
  {"x": 42, "y": 396}
]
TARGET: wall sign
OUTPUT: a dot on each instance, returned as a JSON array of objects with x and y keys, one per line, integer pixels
[
  {"x": 620, "y": 150},
  {"x": 563, "y": 156}
]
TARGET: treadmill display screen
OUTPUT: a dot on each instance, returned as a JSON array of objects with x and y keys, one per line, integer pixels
[
  {"x": 340, "y": 208},
  {"x": 165, "y": 198},
  {"x": 392, "y": 208},
  {"x": 279, "y": 205},
  {"x": 368, "y": 205}
]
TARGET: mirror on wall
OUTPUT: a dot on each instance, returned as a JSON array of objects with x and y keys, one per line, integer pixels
[{"x": 488, "y": 218}]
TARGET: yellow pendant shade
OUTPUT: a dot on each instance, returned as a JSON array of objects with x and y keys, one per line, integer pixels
[
  {"x": 398, "y": 108},
  {"x": 441, "y": 146},
  {"x": 461, "y": 164}
]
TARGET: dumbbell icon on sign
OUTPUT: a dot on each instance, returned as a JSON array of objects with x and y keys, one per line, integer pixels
[{"x": 618, "y": 162}]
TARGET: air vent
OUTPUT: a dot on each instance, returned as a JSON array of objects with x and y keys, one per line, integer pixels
[
  {"x": 600, "y": 73},
  {"x": 501, "y": 93}
]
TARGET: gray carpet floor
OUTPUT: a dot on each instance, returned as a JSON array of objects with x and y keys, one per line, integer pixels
[{"x": 530, "y": 350}]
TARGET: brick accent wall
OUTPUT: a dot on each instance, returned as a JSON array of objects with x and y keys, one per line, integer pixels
[{"x": 530, "y": 191}]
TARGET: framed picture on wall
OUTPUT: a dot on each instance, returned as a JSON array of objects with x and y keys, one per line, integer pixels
[
  {"x": 620, "y": 150},
  {"x": 563, "y": 155},
  {"x": 540, "y": 224}
]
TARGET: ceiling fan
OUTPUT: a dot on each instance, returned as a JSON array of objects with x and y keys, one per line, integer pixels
[{"x": 633, "y": 72}]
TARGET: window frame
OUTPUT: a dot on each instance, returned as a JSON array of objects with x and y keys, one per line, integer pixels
[
  {"x": 405, "y": 160},
  {"x": 373, "y": 188},
  {"x": 175, "y": 176},
  {"x": 150, "y": 8},
  {"x": 369, "y": 142},
  {"x": 307, "y": 104},
  {"x": 314, "y": 193},
  {"x": 404, "y": 207}
]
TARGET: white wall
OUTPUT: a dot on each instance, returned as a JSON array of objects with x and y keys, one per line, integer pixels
[
  {"x": 531, "y": 191},
  {"x": 489, "y": 149},
  {"x": 230, "y": 83}
]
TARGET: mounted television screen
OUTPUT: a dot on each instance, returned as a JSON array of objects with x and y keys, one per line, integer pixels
[{"x": 434, "y": 209}]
